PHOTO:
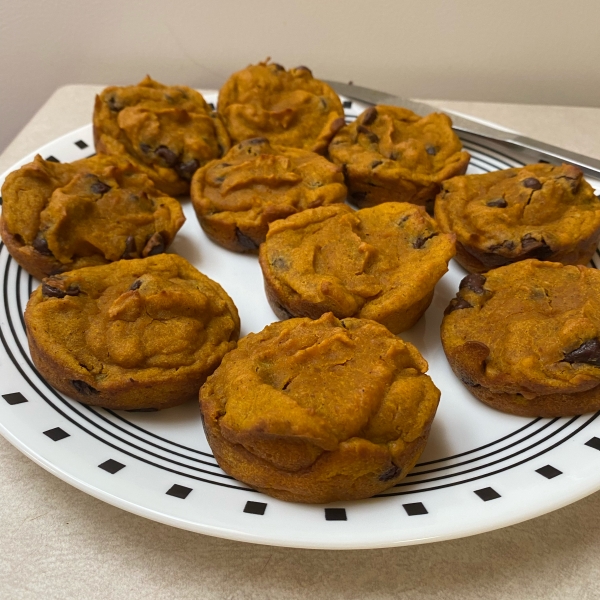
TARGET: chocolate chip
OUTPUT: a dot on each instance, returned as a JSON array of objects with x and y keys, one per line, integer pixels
[
  {"x": 505, "y": 245},
  {"x": 145, "y": 148},
  {"x": 376, "y": 163},
  {"x": 114, "y": 104},
  {"x": 588, "y": 352},
  {"x": 51, "y": 291},
  {"x": 394, "y": 155},
  {"x": 498, "y": 203},
  {"x": 431, "y": 150},
  {"x": 167, "y": 155},
  {"x": 532, "y": 183},
  {"x": 323, "y": 103},
  {"x": 369, "y": 115},
  {"x": 280, "y": 263},
  {"x": 468, "y": 381},
  {"x": 41, "y": 245},
  {"x": 457, "y": 304},
  {"x": 244, "y": 241},
  {"x": 186, "y": 170},
  {"x": 535, "y": 248},
  {"x": 130, "y": 248},
  {"x": 473, "y": 282},
  {"x": 136, "y": 285},
  {"x": 303, "y": 68},
  {"x": 155, "y": 245},
  {"x": 337, "y": 125},
  {"x": 277, "y": 67},
  {"x": 421, "y": 241},
  {"x": 219, "y": 180},
  {"x": 99, "y": 187},
  {"x": 84, "y": 388},
  {"x": 390, "y": 473}
]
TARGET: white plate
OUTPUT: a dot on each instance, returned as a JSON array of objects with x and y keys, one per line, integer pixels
[{"x": 481, "y": 469}]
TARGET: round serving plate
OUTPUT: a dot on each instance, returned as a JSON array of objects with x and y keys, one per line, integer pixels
[{"x": 481, "y": 469}]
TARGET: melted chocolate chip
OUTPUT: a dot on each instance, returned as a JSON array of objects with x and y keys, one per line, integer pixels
[
  {"x": 303, "y": 68},
  {"x": 505, "y": 245},
  {"x": 244, "y": 241},
  {"x": 155, "y": 245},
  {"x": 167, "y": 155},
  {"x": 323, "y": 102},
  {"x": 498, "y": 203},
  {"x": 535, "y": 248},
  {"x": 337, "y": 125},
  {"x": 186, "y": 170},
  {"x": 277, "y": 67},
  {"x": 84, "y": 388},
  {"x": 373, "y": 137},
  {"x": 376, "y": 163},
  {"x": 431, "y": 150},
  {"x": 130, "y": 248},
  {"x": 41, "y": 245},
  {"x": 588, "y": 353},
  {"x": 99, "y": 187},
  {"x": 473, "y": 282},
  {"x": 136, "y": 285},
  {"x": 390, "y": 473},
  {"x": 532, "y": 183},
  {"x": 369, "y": 115},
  {"x": 457, "y": 304},
  {"x": 51, "y": 291},
  {"x": 421, "y": 241},
  {"x": 114, "y": 104}
]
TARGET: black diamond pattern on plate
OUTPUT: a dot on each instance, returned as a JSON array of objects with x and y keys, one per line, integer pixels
[
  {"x": 52, "y": 159},
  {"x": 347, "y": 103},
  {"x": 415, "y": 508},
  {"x": 57, "y": 434},
  {"x": 549, "y": 472},
  {"x": 335, "y": 514},
  {"x": 16, "y": 398},
  {"x": 179, "y": 491},
  {"x": 594, "y": 443},
  {"x": 112, "y": 466},
  {"x": 487, "y": 494},
  {"x": 255, "y": 508},
  {"x": 81, "y": 144}
]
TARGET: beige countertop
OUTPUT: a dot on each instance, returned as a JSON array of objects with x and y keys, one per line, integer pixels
[{"x": 57, "y": 542}]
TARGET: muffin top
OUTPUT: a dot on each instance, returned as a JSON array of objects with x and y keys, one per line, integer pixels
[
  {"x": 133, "y": 319},
  {"x": 167, "y": 131},
  {"x": 387, "y": 143},
  {"x": 531, "y": 328},
  {"x": 301, "y": 389},
  {"x": 63, "y": 216},
  {"x": 538, "y": 211},
  {"x": 289, "y": 108},
  {"x": 373, "y": 263},
  {"x": 256, "y": 183}
]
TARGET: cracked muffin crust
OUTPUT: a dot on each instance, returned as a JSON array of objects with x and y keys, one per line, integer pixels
[
  {"x": 525, "y": 338},
  {"x": 289, "y": 108},
  {"x": 379, "y": 263},
  {"x": 391, "y": 154},
  {"x": 166, "y": 131},
  {"x": 139, "y": 334},
  {"x": 318, "y": 411},
  {"x": 538, "y": 211},
  {"x": 255, "y": 183},
  {"x": 64, "y": 216}
]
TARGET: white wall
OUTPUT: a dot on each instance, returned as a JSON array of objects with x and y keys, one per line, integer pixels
[{"x": 534, "y": 51}]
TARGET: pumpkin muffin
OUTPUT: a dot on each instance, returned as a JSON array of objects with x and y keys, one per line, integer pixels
[
  {"x": 379, "y": 263},
  {"x": 319, "y": 411},
  {"x": 236, "y": 197},
  {"x": 391, "y": 154},
  {"x": 538, "y": 211},
  {"x": 166, "y": 131},
  {"x": 138, "y": 334},
  {"x": 63, "y": 216},
  {"x": 525, "y": 338},
  {"x": 289, "y": 108}
]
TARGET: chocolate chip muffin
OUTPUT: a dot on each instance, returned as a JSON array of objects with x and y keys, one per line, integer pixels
[
  {"x": 379, "y": 263},
  {"x": 137, "y": 334},
  {"x": 289, "y": 108},
  {"x": 538, "y": 211},
  {"x": 319, "y": 411},
  {"x": 391, "y": 154},
  {"x": 254, "y": 184},
  {"x": 166, "y": 131},
  {"x": 63, "y": 216},
  {"x": 525, "y": 338}
]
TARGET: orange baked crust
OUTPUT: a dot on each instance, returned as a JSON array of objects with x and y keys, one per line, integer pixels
[
  {"x": 538, "y": 211},
  {"x": 131, "y": 335},
  {"x": 379, "y": 263},
  {"x": 289, "y": 108},
  {"x": 319, "y": 411},
  {"x": 391, "y": 154},
  {"x": 254, "y": 184},
  {"x": 166, "y": 131},
  {"x": 525, "y": 338}
]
